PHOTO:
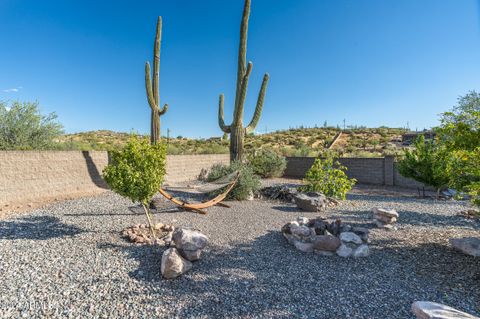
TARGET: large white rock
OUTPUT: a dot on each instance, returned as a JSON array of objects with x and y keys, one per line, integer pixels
[
  {"x": 433, "y": 310},
  {"x": 189, "y": 239},
  {"x": 467, "y": 245},
  {"x": 173, "y": 265},
  {"x": 349, "y": 237}
]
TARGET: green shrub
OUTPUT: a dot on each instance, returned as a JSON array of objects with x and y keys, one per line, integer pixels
[
  {"x": 247, "y": 184},
  {"x": 328, "y": 176},
  {"x": 426, "y": 163},
  {"x": 267, "y": 163},
  {"x": 137, "y": 171}
]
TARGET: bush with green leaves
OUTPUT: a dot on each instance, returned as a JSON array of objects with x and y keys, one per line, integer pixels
[
  {"x": 247, "y": 184},
  {"x": 137, "y": 172},
  {"x": 23, "y": 127},
  {"x": 267, "y": 163},
  {"x": 328, "y": 176},
  {"x": 426, "y": 163}
]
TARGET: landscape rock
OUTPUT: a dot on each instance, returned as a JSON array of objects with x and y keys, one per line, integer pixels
[
  {"x": 311, "y": 202},
  {"x": 326, "y": 243},
  {"x": 467, "y": 245},
  {"x": 189, "y": 239},
  {"x": 344, "y": 251},
  {"x": 324, "y": 253},
  {"x": 350, "y": 237},
  {"x": 305, "y": 247},
  {"x": 173, "y": 264},
  {"x": 433, "y": 310},
  {"x": 300, "y": 231},
  {"x": 303, "y": 220},
  {"x": 385, "y": 212},
  {"x": 361, "y": 251},
  {"x": 192, "y": 255}
]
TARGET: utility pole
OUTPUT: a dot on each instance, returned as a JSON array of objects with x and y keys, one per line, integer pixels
[
  {"x": 344, "y": 124},
  {"x": 168, "y": 135}
]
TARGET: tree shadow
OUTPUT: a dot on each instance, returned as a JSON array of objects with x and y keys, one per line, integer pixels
[
  {"x": 37, "y": 228},
  {"x": 268, "y": 277},
  {"x": 93, "y": 171}
]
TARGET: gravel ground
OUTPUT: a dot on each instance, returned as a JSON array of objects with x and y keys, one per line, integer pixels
[{"x": 67, "y": 260}]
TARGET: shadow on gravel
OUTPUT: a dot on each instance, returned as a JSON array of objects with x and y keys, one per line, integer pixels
[
  {"x": 288, "y": 209},
  {"x": 37, "y": 228},
  {"x": 266, "y": 277}
]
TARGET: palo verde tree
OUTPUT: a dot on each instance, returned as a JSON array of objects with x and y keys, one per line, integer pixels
[
  {"x": 23, "y": 127},
  {"x": 153, "y": 90},
  {"x": 137, "y": 172},
  {"x": 236, "y": 130}
]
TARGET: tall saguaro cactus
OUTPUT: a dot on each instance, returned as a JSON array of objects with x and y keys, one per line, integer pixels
[
  {"x": 236, "y": 130},
  {"x": 153, "y": 92}
]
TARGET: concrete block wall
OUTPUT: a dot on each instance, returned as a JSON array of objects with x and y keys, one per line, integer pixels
[
  {"x": 36, "y": 176},
  {"x": 375, "y": 171}
]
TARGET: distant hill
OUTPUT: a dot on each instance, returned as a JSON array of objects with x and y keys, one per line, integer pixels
[{"x": 363, "y": 142}]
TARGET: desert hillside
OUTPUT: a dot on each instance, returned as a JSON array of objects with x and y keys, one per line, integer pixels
[{"x": 364, "y": 142}]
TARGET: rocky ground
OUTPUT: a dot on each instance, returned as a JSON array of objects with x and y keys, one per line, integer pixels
[{"x": 68, "y": 260}]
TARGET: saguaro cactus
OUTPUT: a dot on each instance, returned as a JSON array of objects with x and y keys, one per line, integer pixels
[
  {"x": 153, "y": 92},
  {"x": 236, "y": 130}
]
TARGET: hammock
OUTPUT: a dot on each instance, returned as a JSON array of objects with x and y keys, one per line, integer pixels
[{"x": 228, "y": 181}]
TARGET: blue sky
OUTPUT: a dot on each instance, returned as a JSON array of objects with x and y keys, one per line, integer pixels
[{"x": 371, "y": 62}]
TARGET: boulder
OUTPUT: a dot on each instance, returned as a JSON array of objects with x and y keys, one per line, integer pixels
[
  {"x": 467, "y": 245},
  {"x": 311, "y": 202},
  {"x": 349, "y": 237},
  {"x": 303, "y": 221},
  {"x": 300, "y": 231},
  {"x": 344, "y": 251},
  {"x": 385, "y": 219},
  {"x": 385, "y": 212},
  {"x": 326, "y": 243},
  {"x": 305, "y": 247},
  {"x": 174, "y": 265},
  {"x": 189, "y": 239},
  {"x": 361, "y": 251},
  {"x": 433, "y": 310},
  {"x": 362, "y": 232},
  {"x": 192, "y": 255}
]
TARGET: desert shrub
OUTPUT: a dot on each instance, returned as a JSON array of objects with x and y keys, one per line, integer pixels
[
  {"x": 23, "y": 127},
  {"x": 267, "y": 163},
  {"x": 328, "y": 176},
  {"x": 247, "y": 184},
  {"x": 426, "y": 163},
  {"x": 137, "y": 171}
]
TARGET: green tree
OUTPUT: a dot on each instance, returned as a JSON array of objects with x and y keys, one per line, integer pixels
[
  {"x": 137, "y": 172},
  {"x": 328, "y": 177},
  {"x": 23, "y": 127},
  {"x": 460, "y": 133},
  {"x": 427, "y": 163}
]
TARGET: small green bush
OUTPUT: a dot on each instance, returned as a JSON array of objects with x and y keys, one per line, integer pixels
[
  {"x": 267, "y": 163},
  {"x": 328, "y": 176},
  {"x": 137, "y": 171},
  {"x": 247, "y": 184}
]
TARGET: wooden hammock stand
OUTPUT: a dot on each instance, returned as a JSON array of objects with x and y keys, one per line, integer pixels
[{"x": 198, "y": 208}]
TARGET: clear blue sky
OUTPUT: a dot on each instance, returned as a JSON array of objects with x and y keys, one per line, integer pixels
[{"x": 372, "y": 62}]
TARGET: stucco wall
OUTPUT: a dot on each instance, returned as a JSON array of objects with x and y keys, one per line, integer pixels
[{"x": 33, "y": 176}]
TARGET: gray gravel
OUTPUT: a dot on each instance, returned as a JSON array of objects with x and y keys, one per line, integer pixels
[{"x": 67, "y": 260}]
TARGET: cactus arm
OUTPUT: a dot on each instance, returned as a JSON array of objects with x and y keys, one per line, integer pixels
[
  {"x": 156, "y": 62},
  {"x": 258, "y": 109},
  {"x": 163, "y": 110},
  {"x": 148, "y": 86},
  {"x": 221, "y": 116},
  {"x": 238, "y": 112},
  {"x": 242, "y": 50}
]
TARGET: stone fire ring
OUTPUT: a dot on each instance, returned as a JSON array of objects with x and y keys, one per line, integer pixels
[{"x": 327, "y": 238}]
